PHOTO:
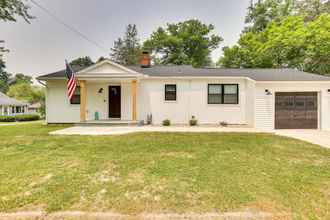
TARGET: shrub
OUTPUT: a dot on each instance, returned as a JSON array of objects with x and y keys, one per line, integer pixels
[
  {"x": 7, "y": 118},
  {"x": 193, "y": 121},
  {"x": 27, "y": 117},
  {"x": 166, "y": 122},
  {"x": 149, "y": 119},
  {"x": 224, "y": 124}
]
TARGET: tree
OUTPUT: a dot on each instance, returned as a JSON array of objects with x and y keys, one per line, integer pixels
[
  {"x": 27, "y": 92},
  {"x": 21, "y": 78},
  {"x": 4, "y": 77},
  {"x": 317, "y": 54},
  {"x": 189, "y": 42},
  {"x": 246, "y": 54},
  {"x": 261, "y": 13},
  {"x": 82, "y": 62},
  {"x": 311, "y": 9},
  {"x": 10, "y": 9},
  {"x": 21, "y": 91},
  {"x": 290, "y": 43},
  {"x": 127, "y": 50}
]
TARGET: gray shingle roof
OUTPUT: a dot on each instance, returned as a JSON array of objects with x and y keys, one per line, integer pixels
[
  {"x": 61, "y": 73},
  {"x": 255, "y": 74},
  {"x": 189, "y": 71},
  {"x": 5, "y": 100}
]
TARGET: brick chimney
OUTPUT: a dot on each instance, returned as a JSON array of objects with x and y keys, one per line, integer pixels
[{"x": 145, "y": 60}]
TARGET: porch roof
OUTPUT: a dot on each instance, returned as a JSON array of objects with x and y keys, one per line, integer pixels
[{"x": 5, "y": 100}]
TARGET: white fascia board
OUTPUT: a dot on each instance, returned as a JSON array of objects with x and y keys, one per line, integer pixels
[
  {"x": 292, "y": 82},
  {"x": 200, "y": 77}
]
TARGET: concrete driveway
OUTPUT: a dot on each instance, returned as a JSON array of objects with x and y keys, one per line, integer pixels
[{"x": 318, "y": 137}]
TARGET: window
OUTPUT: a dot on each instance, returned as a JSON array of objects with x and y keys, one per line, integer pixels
[
  {"x": 215, "y": 94},
  {"x": 230, "y": 94},
  {"x": 170, "y": 92},
  {"x": 75, "y": 100},
  {"x": 222, "y": 94}
]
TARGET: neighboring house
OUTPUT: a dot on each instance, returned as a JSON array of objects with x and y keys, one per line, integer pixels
[
  {"x": 260, "y": 98},
  {"x": 34, "y": 108},
  {"x": 10, "y": 106}
]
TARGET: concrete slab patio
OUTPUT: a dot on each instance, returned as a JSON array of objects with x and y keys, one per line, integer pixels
[{"x": 119, "y": 130}]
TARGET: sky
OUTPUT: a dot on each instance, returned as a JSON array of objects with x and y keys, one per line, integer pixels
[{"x": 42, "y": 46}]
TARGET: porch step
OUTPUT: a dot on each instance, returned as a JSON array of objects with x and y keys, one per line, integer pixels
[{"x": 108, "y": 123}]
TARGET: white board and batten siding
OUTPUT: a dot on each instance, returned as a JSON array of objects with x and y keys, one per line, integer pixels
[
  {"x": 58, "y": 107},
  {"x": 192, "y": 95}
]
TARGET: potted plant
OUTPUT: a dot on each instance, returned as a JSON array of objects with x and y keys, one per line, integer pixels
[{"x": 193, "y": 121}]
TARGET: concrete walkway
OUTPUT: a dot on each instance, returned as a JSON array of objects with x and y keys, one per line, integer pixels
[
  {"x": 119, "y": 130},
  {"x": 318, "y": 137}
]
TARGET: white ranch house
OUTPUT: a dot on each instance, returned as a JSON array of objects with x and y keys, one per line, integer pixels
[{"x": 259, "y": 98}]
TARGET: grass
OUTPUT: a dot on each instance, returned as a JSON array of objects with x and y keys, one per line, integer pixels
[{"x": 158, "y": 172}]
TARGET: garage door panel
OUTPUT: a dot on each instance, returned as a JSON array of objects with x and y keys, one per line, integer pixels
[{"x": 296, "y": 110}]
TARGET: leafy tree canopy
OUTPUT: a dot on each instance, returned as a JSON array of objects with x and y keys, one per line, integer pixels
[
  {"x": 189, "y": 42},
  {"x": 4, "y": 77},
  {"x": 311, "y": 9},
  {"x": 20, "y": 78},
  {"x": 27, "y": 92},
  {"x": 11, "y": 9},
  {"x": 82, "y": 61},
  {"x": 288, "y": 43},
  {"x": 127, "y": 50},
  {"x": 263, "y": 12}
]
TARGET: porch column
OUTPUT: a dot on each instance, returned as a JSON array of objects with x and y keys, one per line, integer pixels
[
  {"x": 82, "y": 84},
  {"x": 133, "y": 95}
]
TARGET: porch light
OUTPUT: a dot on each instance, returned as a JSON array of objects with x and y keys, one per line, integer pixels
[
  {"x": 101, "y": 90},
  {"x": 268, "y": 92}
]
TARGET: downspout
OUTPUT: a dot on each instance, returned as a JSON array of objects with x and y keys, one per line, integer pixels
[{"x": 189, "y": 99}]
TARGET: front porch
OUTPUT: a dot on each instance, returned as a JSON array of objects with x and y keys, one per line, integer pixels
[
  {"x": 108, "y": 93},
  {"x": 110, "y": 122},
  {"x": 108, "y": 101}
]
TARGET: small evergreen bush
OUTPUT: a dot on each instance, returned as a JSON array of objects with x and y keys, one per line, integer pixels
[
  {"x": 166, "y": 122},
  {"x": 27, "y": 117},
  {"x": 7, "y": 118}
]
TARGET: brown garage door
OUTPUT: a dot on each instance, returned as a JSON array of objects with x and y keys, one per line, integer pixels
[{"x": 296, "y": 110}]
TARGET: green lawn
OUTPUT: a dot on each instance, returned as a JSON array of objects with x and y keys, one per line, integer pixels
[{"x": 162, "y": 172}]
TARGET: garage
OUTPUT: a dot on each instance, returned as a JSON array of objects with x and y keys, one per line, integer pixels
[{"x": 296, "y": 110}]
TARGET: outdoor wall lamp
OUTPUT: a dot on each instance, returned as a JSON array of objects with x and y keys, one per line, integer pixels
[
  {"x": 268, "y": 92},
  {"x": 101, "y": 90}
]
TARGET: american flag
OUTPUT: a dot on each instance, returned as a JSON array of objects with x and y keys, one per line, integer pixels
[{"x": 71, "y": 84}]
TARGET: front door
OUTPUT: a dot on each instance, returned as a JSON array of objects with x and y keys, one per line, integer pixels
[{"x": 114, "y": 102}]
